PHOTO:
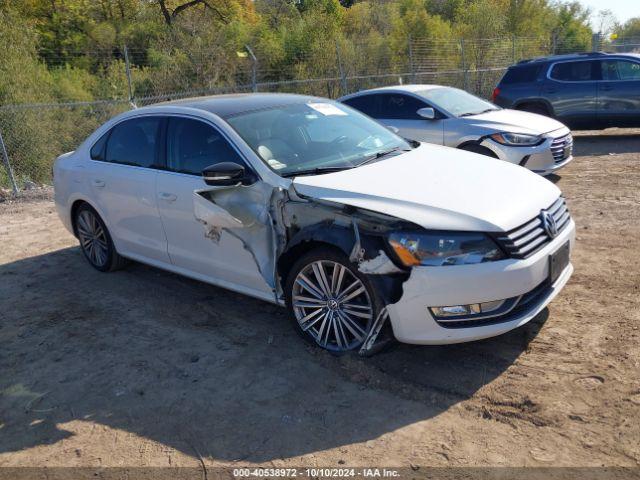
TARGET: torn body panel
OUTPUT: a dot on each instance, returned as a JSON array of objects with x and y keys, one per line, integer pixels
[
  {"x": 273, "y": 224},
  {"x": 244, "y": 213}
]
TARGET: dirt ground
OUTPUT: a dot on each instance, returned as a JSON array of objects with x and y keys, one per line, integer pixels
[{"x": 145, "y": 368}]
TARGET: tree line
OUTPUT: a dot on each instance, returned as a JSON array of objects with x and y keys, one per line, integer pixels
[
  {"x": 72, "y": 50},
  {"x": 59, "y": 51}
]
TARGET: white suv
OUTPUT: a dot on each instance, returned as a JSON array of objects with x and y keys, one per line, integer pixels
[{"x": 303, "y": 201}]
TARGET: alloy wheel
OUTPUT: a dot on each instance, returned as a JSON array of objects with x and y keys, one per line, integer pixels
[
  {"x": 93, "y": 238},
  {"x": 332, "y": 305}
]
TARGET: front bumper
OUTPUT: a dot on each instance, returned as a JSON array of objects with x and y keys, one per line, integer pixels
[
  {"x": 411, "y": 319},
  {"x": 540, "y": 158}
]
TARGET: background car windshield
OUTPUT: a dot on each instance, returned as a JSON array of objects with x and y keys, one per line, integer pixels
[
  {"x": 457, "y": 102},
  {"x": 313, "y": 135}
]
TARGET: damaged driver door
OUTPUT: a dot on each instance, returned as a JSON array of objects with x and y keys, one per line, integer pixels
[{"x": 211, "y": 241}]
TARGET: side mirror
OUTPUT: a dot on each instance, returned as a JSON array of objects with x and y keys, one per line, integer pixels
[
  {"x": 427, "y": 113},
  {"x": 223, "y": 174}
]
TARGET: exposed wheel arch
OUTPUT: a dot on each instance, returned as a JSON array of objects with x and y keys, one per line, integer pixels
[
  {"x": 294, "y": 252},
  {"x": 74, "y": 210},
  {"x": 477, "y": 148},
  {"x": 113, "y": 260},
  {"x": 539, "y": 107}
]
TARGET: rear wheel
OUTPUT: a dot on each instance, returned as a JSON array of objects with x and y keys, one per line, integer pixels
[
  {"x": 330, "y": 302},
  {"x": 95, "y": 241}
]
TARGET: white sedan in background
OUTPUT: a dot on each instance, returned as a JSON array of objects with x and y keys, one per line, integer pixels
[
  {"x": 308, "y": 203},
  {"x": 454, "y": 118}
]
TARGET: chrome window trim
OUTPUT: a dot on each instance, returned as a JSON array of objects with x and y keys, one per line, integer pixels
[
  {"x": 167, "y": 115},
  {"x": 549, "y": 77},
  {"x": 108, "y": 132},
  {"x": 602, "y": 59}
]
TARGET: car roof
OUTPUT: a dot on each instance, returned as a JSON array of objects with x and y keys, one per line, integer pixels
[
  {"x": 412, "y": 88},
  {"x": 226, "y": 106},
  {"x": 572, "y": 56}
]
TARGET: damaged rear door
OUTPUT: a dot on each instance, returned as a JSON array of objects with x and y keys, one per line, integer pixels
[{"x": 207, "y": 249}]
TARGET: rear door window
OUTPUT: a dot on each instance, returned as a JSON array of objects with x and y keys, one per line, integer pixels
[
  {"x": 400, "y": 107},
  {"x": 367, "y": 104},
  {"x": 620, "y": 70},
  {"x": 581, "y": 71},
  {"x": 134, "y": 142}
]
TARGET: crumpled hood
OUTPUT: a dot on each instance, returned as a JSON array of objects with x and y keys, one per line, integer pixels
[
  {"x": 439, "y": 188},
  {"x": 515, "y": 121}
]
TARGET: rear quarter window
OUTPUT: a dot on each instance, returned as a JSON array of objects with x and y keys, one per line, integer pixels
[
  {"x": 524, "y": 74},
  {"x": 97, "y": 151}
]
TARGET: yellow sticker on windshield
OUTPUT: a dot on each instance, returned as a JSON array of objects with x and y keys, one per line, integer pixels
[{"x": 326, "y": 109}]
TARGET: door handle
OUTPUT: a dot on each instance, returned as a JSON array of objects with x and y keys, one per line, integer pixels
[
  {"x": 606, "y": 88},
  {"x": 98, "y": 183},
  {"x": 550, "y": 90},
  {"x": 168, "y": 197}
]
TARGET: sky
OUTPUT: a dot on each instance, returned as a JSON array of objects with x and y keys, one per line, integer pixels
[{"x": 622, "y": 9}]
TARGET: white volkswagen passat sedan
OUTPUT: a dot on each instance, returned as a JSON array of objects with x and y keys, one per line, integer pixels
[
  {"x": 452, "y": 117},
  {"x": 307, "y": 203}
]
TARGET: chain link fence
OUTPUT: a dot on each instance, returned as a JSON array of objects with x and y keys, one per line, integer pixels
[{"x": 33, "y": 135}]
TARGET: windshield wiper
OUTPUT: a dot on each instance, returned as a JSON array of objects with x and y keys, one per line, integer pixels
[
  {"x": 379, "y": 155},
  {"x": 321, "y": 170},
  {"x": 316, "y": 171},
  {"x": 469, "y": 114}
]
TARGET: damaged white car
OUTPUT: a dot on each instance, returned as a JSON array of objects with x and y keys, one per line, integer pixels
[{"x": 307, "y": 203}]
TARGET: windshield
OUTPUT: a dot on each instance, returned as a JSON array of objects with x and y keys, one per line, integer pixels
[
  {"x": 458, "y": 102},
  {"x": 314, "y": 136}
]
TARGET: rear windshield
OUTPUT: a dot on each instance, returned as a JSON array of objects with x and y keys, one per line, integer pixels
[{"x": 524, "y": 74}]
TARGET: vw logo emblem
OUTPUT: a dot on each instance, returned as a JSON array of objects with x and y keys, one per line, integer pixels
[{"x": 549, "y": 224}]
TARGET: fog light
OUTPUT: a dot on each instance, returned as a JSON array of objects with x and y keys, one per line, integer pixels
[{"x": 465, "y": 310}]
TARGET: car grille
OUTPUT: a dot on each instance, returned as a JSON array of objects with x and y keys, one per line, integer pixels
[
  {"x": 525, "y": 240},
  {"x": 562, "y": 148}
]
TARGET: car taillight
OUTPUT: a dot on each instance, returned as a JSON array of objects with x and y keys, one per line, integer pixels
[{"x": 494, "y": 95}]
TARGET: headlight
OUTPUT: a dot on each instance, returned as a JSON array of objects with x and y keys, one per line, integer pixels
[
  {"x": 444, "y": 248},
  {"x": 516, "y": 139}
]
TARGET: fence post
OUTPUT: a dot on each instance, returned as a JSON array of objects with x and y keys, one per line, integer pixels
[
  {"x": 465, "y": 72},
  {"x": 127, "y": 68},
  {"x": 596, "y": 42},
  {"x": 513, "y": 48},
  {"x": 343, "y": 77},
  {"x": 411, "y": 65},
  {"x": 7, "y": 165},
  {"x": 254, "y": 69}
]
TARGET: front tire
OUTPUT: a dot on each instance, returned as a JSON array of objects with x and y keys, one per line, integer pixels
[
  {"x": 330, "y": 302},
  {"x": 95, "y": 241}
]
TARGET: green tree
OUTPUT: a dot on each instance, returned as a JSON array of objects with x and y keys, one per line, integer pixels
[
  {"x": 629, "y": 30},
  {"x": 571, "y": 31}
]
